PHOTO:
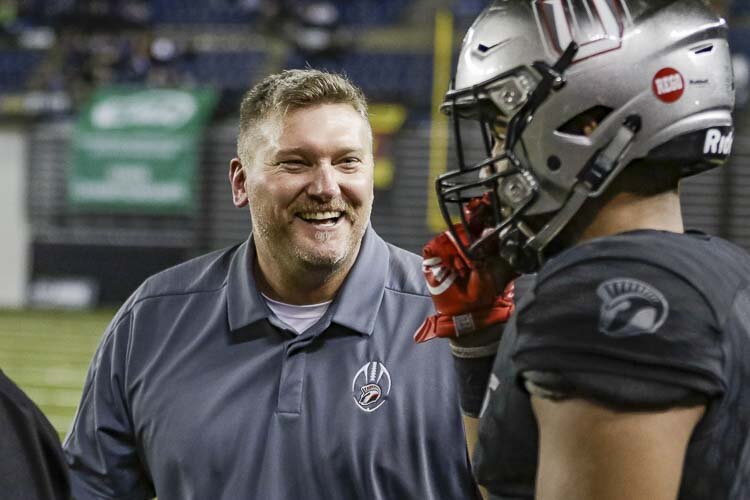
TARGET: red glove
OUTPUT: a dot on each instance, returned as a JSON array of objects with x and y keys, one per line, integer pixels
[
  {"x": 478, "y": 214},
  {"x": 464, "y": 293}
]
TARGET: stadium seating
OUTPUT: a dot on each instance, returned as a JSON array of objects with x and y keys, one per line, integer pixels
[
  {"x": 16, "y": 66},
  {"x": 224, "y": 70},
  {"x": 192, "y": 12},
  {"x": 370, "y": 12},
  {"x": 359, "y": 13},
  {"x": 394, "y": 77}
]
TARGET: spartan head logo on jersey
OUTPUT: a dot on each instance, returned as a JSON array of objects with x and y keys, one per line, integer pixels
[
  {"x": 630, "y": 307},
  {"x": 371, "y": 386}
]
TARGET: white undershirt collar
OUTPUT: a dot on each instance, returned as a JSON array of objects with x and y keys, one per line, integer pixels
[{"x": 300, "y": 318}]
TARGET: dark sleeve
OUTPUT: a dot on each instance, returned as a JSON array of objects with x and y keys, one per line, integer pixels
[
  {"x": 504, "y": 460},
  {"x": 619, "y": 392},
  {"x": 623, "y": 332},
  {"x": 472, "y": 370},
  {"x": 100, "y": 448},
  {"x": 32, "y": 465}
]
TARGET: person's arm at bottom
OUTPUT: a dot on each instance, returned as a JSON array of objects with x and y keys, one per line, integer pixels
[
  {"x": 589, "y": 451},
  {"x": 471, "y": 431},
  {"x": 101, "y": 448},
  {"x": 32, "y": 465}
]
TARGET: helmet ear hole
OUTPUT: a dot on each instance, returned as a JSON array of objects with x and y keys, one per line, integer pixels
[
  {"x": 554, "y": 163},
  {"x": 584, "y": 123}
]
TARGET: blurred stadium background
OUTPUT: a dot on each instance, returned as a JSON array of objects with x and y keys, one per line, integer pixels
[{"x": 118, "y": 121}]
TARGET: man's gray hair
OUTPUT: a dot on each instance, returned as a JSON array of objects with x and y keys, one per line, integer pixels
[{"x": 293, "y": 89}]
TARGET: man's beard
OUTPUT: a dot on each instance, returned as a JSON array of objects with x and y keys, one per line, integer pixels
[
  {"x": 327, "y": 260},
  {"x": 280, "y": 241}
]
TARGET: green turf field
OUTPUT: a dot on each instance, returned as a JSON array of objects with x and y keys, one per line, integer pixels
[{"x": 47, "y": 354}]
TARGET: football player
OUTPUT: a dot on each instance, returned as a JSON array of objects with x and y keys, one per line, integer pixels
[{"x": 622, "y": 372}]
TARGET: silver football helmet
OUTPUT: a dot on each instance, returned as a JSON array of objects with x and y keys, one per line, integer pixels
[{"x": 576, "y": 90}]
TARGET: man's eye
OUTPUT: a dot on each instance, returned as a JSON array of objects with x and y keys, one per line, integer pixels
[
  {"x": 291, "y": 163},
  {"x": 350, "y": 162}
]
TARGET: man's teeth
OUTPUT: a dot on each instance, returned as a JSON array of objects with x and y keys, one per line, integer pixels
[
  {"x": 321, "y": 218},
  {"x": 320, "y": 215}
]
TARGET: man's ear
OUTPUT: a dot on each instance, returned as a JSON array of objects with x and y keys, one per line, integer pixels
[{"x": 237, "y": 178}]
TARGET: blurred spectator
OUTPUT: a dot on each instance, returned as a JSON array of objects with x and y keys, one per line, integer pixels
[
  {"x": 134, "y": 61},
  {"x": 316, "y": 27},
  {"x": 313, "y": 28},
  {"x": 165, "y": 54},
  {"x": 100, "y": 58}
]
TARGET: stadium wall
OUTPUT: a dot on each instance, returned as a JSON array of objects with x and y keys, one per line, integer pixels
[{"x": 14, "y": 226}]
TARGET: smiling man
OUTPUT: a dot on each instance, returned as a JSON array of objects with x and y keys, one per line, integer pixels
[
  {"x": 308, "y": 179},
  {"x": 280, "y": 368}
]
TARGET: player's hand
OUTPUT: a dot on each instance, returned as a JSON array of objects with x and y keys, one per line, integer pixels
[{"x": 466, "y": 294}]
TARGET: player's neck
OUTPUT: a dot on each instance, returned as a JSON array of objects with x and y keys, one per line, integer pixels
[{"x": 629, "y": 212}]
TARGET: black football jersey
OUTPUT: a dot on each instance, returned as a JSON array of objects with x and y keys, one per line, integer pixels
[
  {"x": 649, "y": 309},
  {"x": 32, "y": 465}
]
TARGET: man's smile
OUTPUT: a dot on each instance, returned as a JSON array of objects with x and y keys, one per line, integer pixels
[{"x": 322, "y": 219}]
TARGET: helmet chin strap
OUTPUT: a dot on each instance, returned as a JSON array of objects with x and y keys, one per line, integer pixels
[
  {"x": 552, "y": 228},
  {"x": 591, "y": 182}
]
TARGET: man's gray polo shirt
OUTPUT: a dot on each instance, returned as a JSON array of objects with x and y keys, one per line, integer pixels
[{"x": 196, "y": 391}]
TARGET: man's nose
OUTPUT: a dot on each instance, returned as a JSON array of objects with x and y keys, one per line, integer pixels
[{"x": 324, "y": 185}]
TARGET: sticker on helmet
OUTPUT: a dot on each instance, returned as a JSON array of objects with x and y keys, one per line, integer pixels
[
  {"x": 668, "y": 85},
  {"x": 597, "y": 26}
]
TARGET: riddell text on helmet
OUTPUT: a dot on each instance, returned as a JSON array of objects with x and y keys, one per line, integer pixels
[{"x": 717, "y": 143}]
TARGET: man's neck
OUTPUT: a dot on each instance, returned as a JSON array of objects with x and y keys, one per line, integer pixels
[
  {"x": 628, "y": 212},
  {"x": 302, "y": 285}
]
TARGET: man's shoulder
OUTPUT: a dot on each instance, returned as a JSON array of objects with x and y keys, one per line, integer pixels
[
  {"x": 12, "y": 396},
  {"x": 651, "y": 245},
  {"x": 704, "y": 261},
  {"x": 405, "y": 272},
  {"x": 31, "y": 452},
  {"x": 207, "y": 272},
  {"x": 646, "y": 306},
  {"x": 18, "y": 411}
]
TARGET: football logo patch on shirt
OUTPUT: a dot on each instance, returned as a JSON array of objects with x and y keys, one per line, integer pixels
[
  {"x": 630, "y": 307},
  {"x": 371, "y": 386}
]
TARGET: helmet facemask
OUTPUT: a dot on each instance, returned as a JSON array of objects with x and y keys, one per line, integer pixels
[
  {"x": 625, "y": 93},
  {"x": 502, "y": 107}
]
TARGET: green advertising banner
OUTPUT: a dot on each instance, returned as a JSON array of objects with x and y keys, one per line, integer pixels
[{"x": 136, "y": 150}]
